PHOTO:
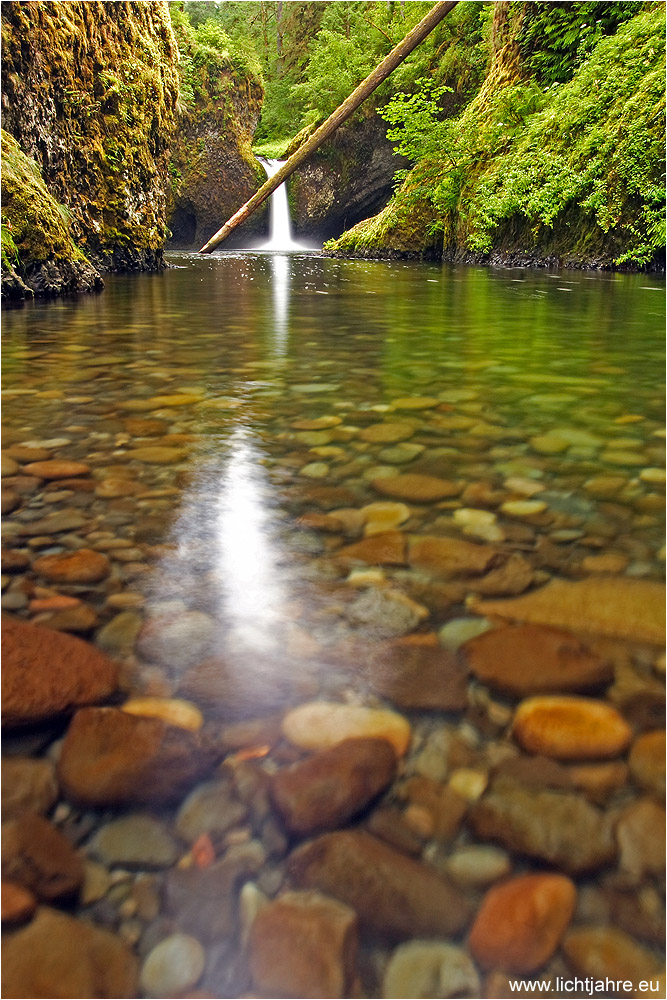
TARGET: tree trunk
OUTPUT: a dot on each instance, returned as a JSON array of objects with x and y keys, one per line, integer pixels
[{"x": 341, "y": 114}]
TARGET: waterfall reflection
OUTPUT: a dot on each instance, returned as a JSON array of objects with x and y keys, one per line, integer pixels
[{"x": 280, "y": 268}]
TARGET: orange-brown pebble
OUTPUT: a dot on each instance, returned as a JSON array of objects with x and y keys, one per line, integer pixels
[
  {"x": 647, "y": 761},
  {"x": 18, "y": 903},
  {"x": 520, "y": 923},
  {"x": 569, "y": 728},
  {"x": 56, "y": 469}
]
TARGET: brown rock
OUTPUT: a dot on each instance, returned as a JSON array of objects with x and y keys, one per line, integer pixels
[
  {"x": 10, "y": 501},
  {"x": 303, "y": 945},
  {"x": 570, "y": 728},
  {"x": 140, "y": 427},
  {"x": 81, "y": 618},
  {"x": 520, "y": 923},
  {"x": 36, "y": 855},
  {"x": 388, "y": 432},
  {"x": 419, "y": 677},
  {"x": 554, "y": 826},
  {"x": 449, "y": 556},
  {"x": 325, "y": 791},
  {"x": 513, "y": 577},
  {"x": 22, "y": 453},
  {"x": 445, "y": 807},
  {"x": 54, "y": 523},
  {"x": 110, "y": 757},
  {"x": 618, "y": 607},
  {"x": 82, "y": 566},
  {"x": 414, "y": 487},
  {"x": 647, "y": 762},
  {"x": 18, "y": 903},
  {"x": 531, "y": 659},
  {"x": 599, "y": 781},
  {"x": 640, "y": 834},
  {"x": 45, "y": 673},
  {"x": 603, "y": 952},
  {"x": 58, "y": 957},
  {"x": 157, "y": 454},
  {"x": 28, "y": 785},
  {"x": 388, "y": 549},
  {"x": 391, "y": 893},
  {"x": 389, "y": 824},
  {"x": 237, "y": 691},
  {"x": 56, "y": 469},
  {"x": 14, "y": 561}
]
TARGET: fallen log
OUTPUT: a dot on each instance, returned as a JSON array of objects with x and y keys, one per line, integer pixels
[{"x": 341, "y": 114}]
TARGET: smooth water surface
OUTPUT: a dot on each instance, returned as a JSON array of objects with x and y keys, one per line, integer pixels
[{"x": 248, "y": 417}]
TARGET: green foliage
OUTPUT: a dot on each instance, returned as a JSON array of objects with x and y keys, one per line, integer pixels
[
  {"x": 593, "y": 146},
  {"x": 556, "y": 38}
]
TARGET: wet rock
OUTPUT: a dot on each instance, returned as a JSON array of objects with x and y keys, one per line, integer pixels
[
  {"x": 385, "y": 613},
  {"x": 45, "y": 673},
  {"x": 320, "y": 725},
  {"x": 18, "y": 903},
  {"x": 325, "y": 791},
  {"x": 204, "y": 902},
  {"x": 10, "y": 501},
  {"x": 433, "y": 810},
  {"x": 174, "y": 711},
  {"x": 53, "y": 524},
  {"x": 606, "y": 562},
  {"x": 28, "y": 785},
  {"x": 391, "y": 893},
  {"x": 8, "y": 466},
  {"x": 389, "y": 824},
  {"x": 144, "y": 427},
  {"x": 112, "y": 758},
  {"x": 560, "y": 828},
  {"x": 240, "y": 687},
  {"x": 430, "y": 969},
  {"x": 523, "y": 508},
  {"x": 56, "y": 469},
  {"x": 211, "y": 808},
  {"x": 157, "y": 455},
  {"x": 617, "y": 607},
  {"x": 178, "y": 640},
  {"x": 570, "y": 728},
  {"x": 82, "y": 566},
  {"x": 80, "y": 619},
  {"x": 521, "y": 922},
  {"x": 14, "y": 561},
  {"x": 531, "y": 659},
  {"x": 173, "y": 967},
  {"x": 513, "y": 577},
  {"x": 449, "y": 556},
  {"x": 416, "y": 488},
  {"x": 135, "y": 841},
  {"x": 599, "y": 781},
  {"x": 647, "y": 762},
  {"x": 386, "y": 549},
  {"x": 118, "y": 636},
  {"x": 478, "y": 865},
  {"x": 56, "y": 956},
  {"x": 419, "y": 677},
  {"x": 303, "y": 945},
  {"x": 386, "y": 433},
  {"x": 603, "y": 952},
  {"x": 459, "y": 630},
  {"x": 640, "y": 833},
  {"x": 36, "y": 855}
]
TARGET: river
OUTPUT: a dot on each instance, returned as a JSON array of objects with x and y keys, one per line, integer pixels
[{"x": 285, "y": 454}]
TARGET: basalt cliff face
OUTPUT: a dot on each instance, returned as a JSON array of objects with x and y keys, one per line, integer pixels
[{"x": 90, "y": 93}]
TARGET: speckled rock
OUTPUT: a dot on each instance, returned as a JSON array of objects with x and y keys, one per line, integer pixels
[
  {"x": 82, "y": 566},
  {"x": 56, "y": 956},
  {"x": 45, "y": 673},
  {"x": 520, "y": 923},
  {"x": 391, "y": 893},
  {"x": 36, "y": 855},
  {"x": 530, "y": 659},
  {"x": 430, "y": 969},
  {"x": 560, "y": 828},
  {"x": 303, "y": 945},
  {"x": 112, "y": 758},
  {"x": 28, "y": 785},
  {"x": 325, "y": 791},
  {"x": 569, "y": 728}
]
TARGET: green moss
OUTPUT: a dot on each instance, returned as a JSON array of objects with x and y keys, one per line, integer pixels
[{"x": 35, "y": 227}]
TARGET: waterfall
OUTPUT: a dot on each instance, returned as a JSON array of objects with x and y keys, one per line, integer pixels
[{"x": 280, "y": 225}]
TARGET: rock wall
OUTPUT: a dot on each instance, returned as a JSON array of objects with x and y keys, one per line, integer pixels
[{"x": 89, "y": 94}]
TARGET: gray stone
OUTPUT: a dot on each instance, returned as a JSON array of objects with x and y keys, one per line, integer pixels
[
  {"x": 135, "y": 841},
  {"x": 211, "y": 808},
  {"x": 430, "y": 969},
  {"x": 173, "y": 967}
]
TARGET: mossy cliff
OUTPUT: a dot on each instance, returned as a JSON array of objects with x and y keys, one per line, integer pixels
[
  {"x": 90, "y": 91},
  {"x": 213, "y": 169},
  {"x": 568, "y": 173}
]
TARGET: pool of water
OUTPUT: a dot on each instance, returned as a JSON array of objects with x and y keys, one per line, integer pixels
[{"x": 314, "y": 480}]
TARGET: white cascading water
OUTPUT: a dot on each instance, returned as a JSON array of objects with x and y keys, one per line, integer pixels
[{"x": 280, "y": 225}]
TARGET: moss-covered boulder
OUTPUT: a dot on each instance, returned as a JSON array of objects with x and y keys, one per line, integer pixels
[
  {"x": 39, "y": 255},
  {"x": 89, "y": 94}
]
